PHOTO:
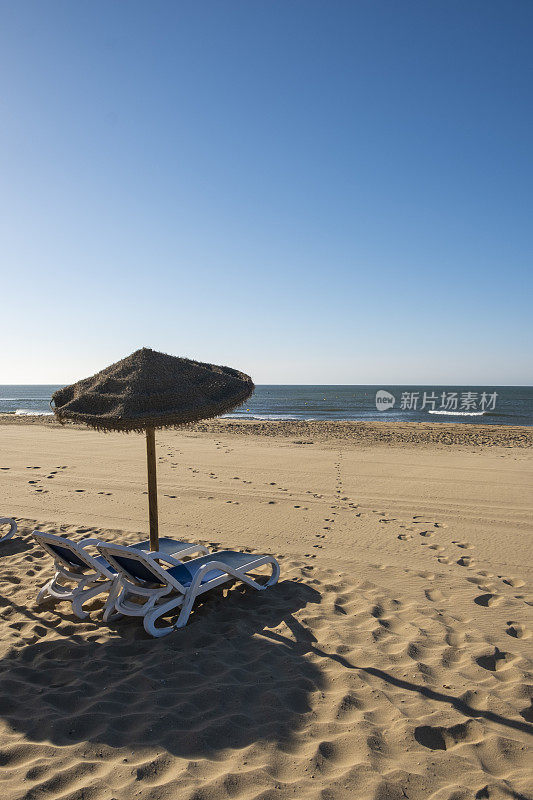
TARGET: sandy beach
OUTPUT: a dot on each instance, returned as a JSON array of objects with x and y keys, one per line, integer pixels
[{"x": 393, "y": 660}]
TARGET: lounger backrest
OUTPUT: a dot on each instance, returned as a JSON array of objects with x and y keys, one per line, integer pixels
[
  {"x": 68, "y": 555},
  {"x": 61, "y": 550},
  {"x": 137, "y": 567}
]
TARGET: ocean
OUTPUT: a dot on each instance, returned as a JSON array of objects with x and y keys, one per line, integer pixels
[{"x": 491, "y": 405}]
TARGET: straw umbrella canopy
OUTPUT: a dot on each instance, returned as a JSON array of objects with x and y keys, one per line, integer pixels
[{"x": 149, "y": 390}]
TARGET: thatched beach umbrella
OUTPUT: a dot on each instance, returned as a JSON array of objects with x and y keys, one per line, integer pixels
[{"x": 149, "y": 390}]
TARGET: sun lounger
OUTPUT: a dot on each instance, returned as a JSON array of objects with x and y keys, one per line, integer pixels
[
  {"x": 149, "y": 590},
  {"x": 91, "y": 575},
  {"x": 12, "y": 530}
]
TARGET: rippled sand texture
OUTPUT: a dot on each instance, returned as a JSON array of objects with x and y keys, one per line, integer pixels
[{"x": 393, "y": 660}]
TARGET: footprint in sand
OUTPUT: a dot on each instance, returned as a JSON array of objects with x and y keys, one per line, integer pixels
[
  {"x": 442, "y": 738},
  {"x": 435, "y": 595},
  {"x": 455, "y": 638},
  {"x": 497, "y": 661},
  {"x": 466, "y": 561},
  {"x": 405, "y": 536},
  {"x": 516, "y": 582},
  {"x": 518, "y": 631},
  {"x": 488, "y": 600}
]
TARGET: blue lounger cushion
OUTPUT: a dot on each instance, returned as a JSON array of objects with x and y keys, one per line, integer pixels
[
  {"x": 103, "y": 561},
  {"x": 137, "y": 569},
  {"x": 69, "y": 555},
  {"x": 72, "y": 558}
]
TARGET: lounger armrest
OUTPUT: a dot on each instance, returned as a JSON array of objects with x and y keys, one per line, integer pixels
[
  {"x": 236, "y": 572},
  {"x": 209, "y": 567},
  {"x": 89, "y": 542}
]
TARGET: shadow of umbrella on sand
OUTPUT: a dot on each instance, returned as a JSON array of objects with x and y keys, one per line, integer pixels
[
  {"x": 149, "y": 390},
  {"x": 222, "y": 685}
]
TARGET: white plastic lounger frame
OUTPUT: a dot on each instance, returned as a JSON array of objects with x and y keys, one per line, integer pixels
[
  {"x": 75, "y": 565},
  {"x": 154, "y": 588},
  {"x": 91, "y": 575},
  {"x": 12, "y": 531}
]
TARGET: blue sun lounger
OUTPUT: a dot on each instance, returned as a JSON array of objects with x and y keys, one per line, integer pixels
[
  {"x": 79, "y": 575},
  {"x": 147, "y": 589}
]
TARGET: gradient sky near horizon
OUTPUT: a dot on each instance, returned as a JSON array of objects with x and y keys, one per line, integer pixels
[{"x": 313, "y": 192}]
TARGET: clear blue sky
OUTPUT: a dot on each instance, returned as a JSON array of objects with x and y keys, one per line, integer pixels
[{"x": 313, "y": 192}]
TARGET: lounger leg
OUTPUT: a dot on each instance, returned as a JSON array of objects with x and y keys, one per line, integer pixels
[
  {"x": 242, "y": 576},
  {"x": 110, "y": 611},
  {"x": 274, "y": 576},
  {"x": 45, "y": 591},
  {"x": 79, "y": 599},
  {"x": 150, "y": 618},
  {"x": 12, "y": 528},
  {"x": 190, "y": 597},
  {"x": 186, "y": 609}
]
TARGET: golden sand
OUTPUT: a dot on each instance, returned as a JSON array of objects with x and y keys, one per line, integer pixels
[{"x": 393, "y": 660}]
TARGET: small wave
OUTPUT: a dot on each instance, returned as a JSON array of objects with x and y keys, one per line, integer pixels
[
  {"x": 26, "y": 412},
  {"x": 24, "y": 399},
  {"x": 458, "y": 413}
]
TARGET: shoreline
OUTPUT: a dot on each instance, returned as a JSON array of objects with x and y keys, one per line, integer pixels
[{"x": 358, "y": 432}]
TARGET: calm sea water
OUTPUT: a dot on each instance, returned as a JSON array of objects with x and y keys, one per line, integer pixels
[{"x": 512, "y": 405}]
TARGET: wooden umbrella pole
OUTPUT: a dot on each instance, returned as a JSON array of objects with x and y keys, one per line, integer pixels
[{"x": 152, "y": 488}]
